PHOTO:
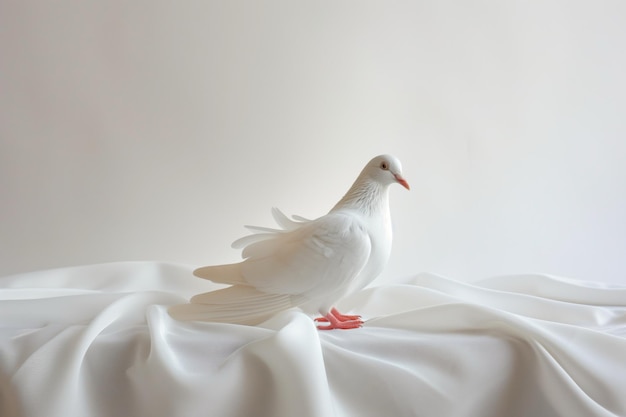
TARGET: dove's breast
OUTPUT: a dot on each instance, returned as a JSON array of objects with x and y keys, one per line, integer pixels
[{"x": 380, "y": 232}]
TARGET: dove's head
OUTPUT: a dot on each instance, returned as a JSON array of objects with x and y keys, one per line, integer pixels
[{"x": 387, "y": 170}]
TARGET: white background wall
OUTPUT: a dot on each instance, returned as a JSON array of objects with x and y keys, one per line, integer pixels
[{"x": 153, "y": 130}]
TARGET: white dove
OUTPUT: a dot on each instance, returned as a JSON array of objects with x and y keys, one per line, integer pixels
[{"x": 313, "y": 262}]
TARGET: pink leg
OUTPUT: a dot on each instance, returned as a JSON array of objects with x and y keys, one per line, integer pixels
[
  {"x": 344, "y": 317},
  {"x": 339, "y": 316},
  {"x": 339, "y": 321}
]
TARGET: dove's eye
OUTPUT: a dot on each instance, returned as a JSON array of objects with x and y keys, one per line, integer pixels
[{"x": 384, "y": 165}]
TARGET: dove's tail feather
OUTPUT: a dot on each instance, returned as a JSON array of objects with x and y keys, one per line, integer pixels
[
  {"x": 239, "y": 304},
  {"x": 224, "y": 274}
]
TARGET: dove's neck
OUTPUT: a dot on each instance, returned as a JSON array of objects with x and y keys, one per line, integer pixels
[{"x": 366, "y": 196}]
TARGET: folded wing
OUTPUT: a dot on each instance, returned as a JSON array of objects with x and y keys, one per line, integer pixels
[{"x": 309, "y": 258}]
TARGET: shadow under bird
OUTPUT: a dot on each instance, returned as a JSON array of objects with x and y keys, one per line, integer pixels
[{"x": 306, "y": 263}]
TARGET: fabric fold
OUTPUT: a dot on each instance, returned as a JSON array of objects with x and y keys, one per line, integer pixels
[{"x": 98, "y": 341}]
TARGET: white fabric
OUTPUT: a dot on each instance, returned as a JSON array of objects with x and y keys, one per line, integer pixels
[{"x": 97, "y": 341}]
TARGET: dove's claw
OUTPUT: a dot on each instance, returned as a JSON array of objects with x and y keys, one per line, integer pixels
[
  {"x": 351, "y": 324},
  {"x": 344, "y": 317},
  {"x": 344, "y": 326},
  {"x": 339, "y": 316},
  {"x": 339, "y": 321}
]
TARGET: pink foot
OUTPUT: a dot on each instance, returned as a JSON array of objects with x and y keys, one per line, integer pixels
[
  {"x": 339, "y": 316},
  {"x": 337, "y": 320}
]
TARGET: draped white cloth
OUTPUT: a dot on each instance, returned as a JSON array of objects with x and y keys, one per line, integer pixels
[{"x": 97, "y": 341}]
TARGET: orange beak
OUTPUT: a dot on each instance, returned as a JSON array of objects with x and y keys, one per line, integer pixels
[{"x": 402, "y": 181}]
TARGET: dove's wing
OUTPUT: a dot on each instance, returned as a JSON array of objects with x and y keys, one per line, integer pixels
[
  {"x": 319, "y": 257},
  {"x": 231, "y": 273}
]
